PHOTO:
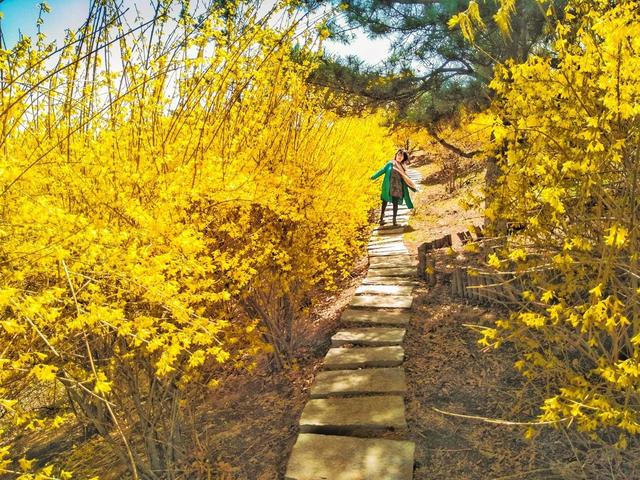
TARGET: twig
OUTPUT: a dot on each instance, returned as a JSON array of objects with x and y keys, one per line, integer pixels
[
  {"x": 497, "y": 420},
  {"x": 134, "y": 469}
]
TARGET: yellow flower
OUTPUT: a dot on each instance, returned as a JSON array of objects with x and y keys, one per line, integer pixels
[
  {"x": 596, "y": 291},
  {"x": 494, "y": 261},
  {"x": 617, "y": 236}
]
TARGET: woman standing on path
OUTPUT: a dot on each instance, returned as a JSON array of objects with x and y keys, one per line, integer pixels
[{"x": 395, "y": 185}]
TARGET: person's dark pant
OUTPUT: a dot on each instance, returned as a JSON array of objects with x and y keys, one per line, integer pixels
[{"x": 395, "y": 202}]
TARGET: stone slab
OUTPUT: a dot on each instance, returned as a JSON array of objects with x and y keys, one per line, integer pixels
[
  {"x": 395, "y": 245},
  {"x": 400, "y": 222},
  {"x": 330, "y": 457},
  {"x": 390, "y": 281},
  {"x": 333, "y": 415},
  {"x": 392, "y": 243},
  {"x": 373, "y": 252},
  {"x": 400, "y": 218},
  {"x": 370, "y": 336},
  {"x": 387, "y": 252},
  {"x": 392, "y": 272},
  {"x": 392, "y": 261},
  {"x": 382, "y": 301},
  {"x": 375, "y": 317},
  {"x": 402, "y": 213},
  {"x": 383, "y": 241},
  {"x": 384, "y": 290},
  {"x": 389, "y": 381},
  {"x": 389, "y": 230},
  {"x": 395, "y": 237},
  {"x": 363, "y": 357}
]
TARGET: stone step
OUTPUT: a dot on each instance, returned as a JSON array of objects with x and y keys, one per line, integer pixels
[
  {"x": 401, "y": 211},
  {"x": 389, "y": 230},
  {"x": 388, "y": 218},
  {"x": 392, "y": 261},
  {"x": 369, "y": 336},
  {"x": 391, "y": 243},
  {"x": 381, "y": 301},
  {"x": 390, "y": 252},
  {"x": 375, "y": 317},
  {"x": 318, "y": 457},
  {"x": 384, "y": 290},
  {"x": 389, "y": 249},
  {"x": 363, "y": 357},
  {"x": 387, "y": 226},
  {"x": 389, "y": 281},
  {"x": 392, "y": 272},
  {"x": 389, "y": 381},
  {"x": 383, "y": 241},
  {"x": 359, "y": 414},
  {"x": 392, "y": 236},
  {"x": 386, "y": 251}
]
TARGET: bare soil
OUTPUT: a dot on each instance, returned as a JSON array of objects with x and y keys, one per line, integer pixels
[{"x": 448, "y": 375}]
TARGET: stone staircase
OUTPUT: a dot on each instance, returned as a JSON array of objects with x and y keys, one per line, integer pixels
[{"x": 359, "y": 396}]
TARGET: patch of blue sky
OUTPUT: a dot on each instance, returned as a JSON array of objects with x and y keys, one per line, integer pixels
[{"x": 20, "y": 17}]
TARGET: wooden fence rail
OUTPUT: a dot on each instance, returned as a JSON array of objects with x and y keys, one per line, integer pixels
[{"x": 473, "y": 284}]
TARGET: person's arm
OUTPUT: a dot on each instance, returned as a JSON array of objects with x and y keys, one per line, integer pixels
[
  {"x": 407, "y": 180},
  {"x": 379, "y": 172}
]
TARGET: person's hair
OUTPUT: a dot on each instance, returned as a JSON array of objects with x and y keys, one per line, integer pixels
[{"x": 405, "y": 155}]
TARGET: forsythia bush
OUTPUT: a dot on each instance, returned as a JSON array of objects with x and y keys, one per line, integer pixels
[
  {"x": 567, "y": 136},
  {"x": 171, "y": 195}
]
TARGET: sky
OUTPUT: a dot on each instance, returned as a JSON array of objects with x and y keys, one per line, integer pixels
[{"x": 21, "y": 15}]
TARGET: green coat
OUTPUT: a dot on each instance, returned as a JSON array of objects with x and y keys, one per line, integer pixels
[{"x": 385, "y": 196}]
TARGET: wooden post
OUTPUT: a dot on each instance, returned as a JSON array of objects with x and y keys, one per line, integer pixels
[
  {"x": 431, "y": 271},
  {"x": 422, "y": 260},
  {"x": 454, "y": 283},
  {"x": 465, "y": 282},
  {"x": 460, "y": 283},
  {"x": 472, "y": 283},
  {"x": 482, "y": 292},
  {"x": 485, "y": 290}
]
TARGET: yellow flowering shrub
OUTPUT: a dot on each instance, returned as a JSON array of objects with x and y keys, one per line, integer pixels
[
  {"x": 173, "y": 196},
  {"x": 566, "y": 135}
]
